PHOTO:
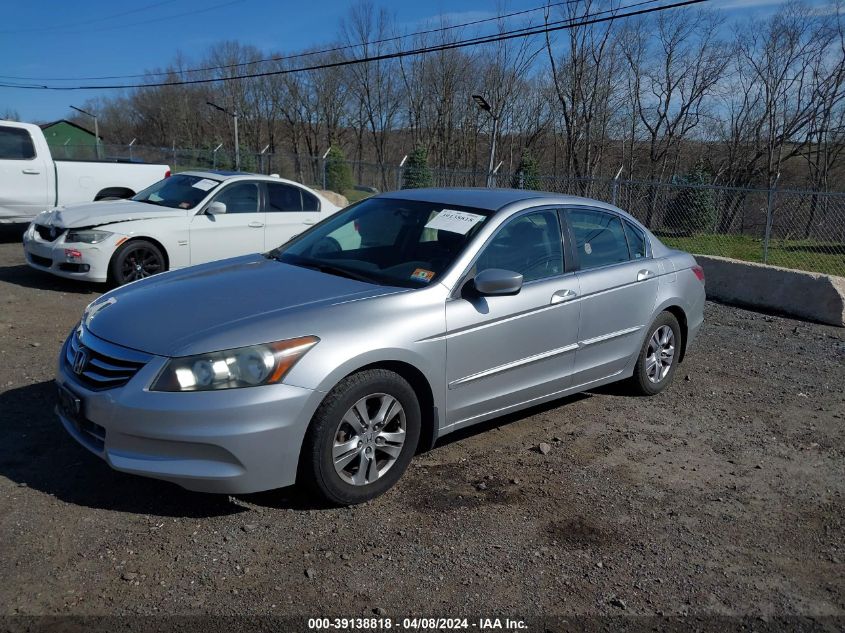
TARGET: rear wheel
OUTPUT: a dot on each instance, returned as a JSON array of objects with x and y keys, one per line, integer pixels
[
  {"x": 362, "y": 438},
  {"x": 658, "y": 357},
  {"x": 135, "y": 260}
]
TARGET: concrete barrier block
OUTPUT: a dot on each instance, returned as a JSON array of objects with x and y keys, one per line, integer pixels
[{"x": 812, "y": 296}]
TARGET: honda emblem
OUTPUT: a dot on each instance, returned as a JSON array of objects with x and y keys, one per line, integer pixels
[{"x": 80, "y": 361}]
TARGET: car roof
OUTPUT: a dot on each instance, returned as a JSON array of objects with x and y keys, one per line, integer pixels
[
  {"x": 220, "y": 174},
  {"x": 490, "y": 199}
]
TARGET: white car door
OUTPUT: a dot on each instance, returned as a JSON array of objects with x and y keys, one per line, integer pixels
[
  {"x": 24, "y": 180},
  {"x": 239, "y": 231},
  {"x": 290, "y": 210}
]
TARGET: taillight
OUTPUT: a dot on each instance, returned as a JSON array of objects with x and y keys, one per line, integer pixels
[
  {"x": 699, "y": 272},
  {"x": 167, "y": 174}
]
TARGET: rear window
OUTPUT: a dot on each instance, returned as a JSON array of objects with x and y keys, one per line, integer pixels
[{"x": 16, "y": 144}]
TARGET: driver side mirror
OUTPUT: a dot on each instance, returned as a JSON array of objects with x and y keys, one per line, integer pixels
[
  {"x": 216, "y": 208},
  {"x": 495, "y": 281}
]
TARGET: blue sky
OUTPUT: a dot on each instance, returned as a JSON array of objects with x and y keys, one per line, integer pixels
[{"x": 52, "y": 38}]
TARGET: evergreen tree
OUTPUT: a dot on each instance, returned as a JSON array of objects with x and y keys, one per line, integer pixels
[
  {"x": 527, "y": 175},
  {"x": 694, "y": 210},
  {"x": 417, "y": 173},
  {"x": 338, "y": 172}
]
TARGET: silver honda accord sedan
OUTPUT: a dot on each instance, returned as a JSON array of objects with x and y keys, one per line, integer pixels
[{"x": 332, "y": 359}]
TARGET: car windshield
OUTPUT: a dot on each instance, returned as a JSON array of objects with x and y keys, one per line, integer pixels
[
  {"x": 386, "y": 241},
  {"x": 181, "y": 191}
]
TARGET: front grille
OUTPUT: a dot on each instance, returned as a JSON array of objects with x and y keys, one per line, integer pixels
[
  {"x": 41, "y": 261},
  {"x": 104, "y": 366},
  {"x": 44, "y": 233}
]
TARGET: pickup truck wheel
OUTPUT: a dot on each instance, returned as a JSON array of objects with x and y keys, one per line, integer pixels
[{"x": 135, "y": 260}]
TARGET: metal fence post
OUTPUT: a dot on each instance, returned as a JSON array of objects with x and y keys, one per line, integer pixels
[
  {"x": 770, "y": 212},
  {"x": 615, "y": 188}
]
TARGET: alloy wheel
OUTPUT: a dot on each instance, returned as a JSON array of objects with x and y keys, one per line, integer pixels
[
  {"x": 660, "y": 353},
  {"x": 369, "y": 439},
  {"x": 139, "y": 263}
]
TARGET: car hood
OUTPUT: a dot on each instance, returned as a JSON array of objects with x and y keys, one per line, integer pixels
[
  {"x": 91, "y": 214},
  {"x": 221, "y": 305}
]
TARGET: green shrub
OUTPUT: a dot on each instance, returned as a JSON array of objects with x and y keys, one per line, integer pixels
[
  {"x": 527, "y": 175},
  {"x": 338, "y": 172},
  {"x": 693, "y": 210},
  {"x": 416, "y": 173}
]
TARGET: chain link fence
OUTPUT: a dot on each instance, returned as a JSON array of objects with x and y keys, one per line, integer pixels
[{"x": 803, "y": 230}]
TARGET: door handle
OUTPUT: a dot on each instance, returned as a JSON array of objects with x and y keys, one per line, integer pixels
[
  {"x": 31, "y": 172},
  {"x": 256, "y": 225},
  {"x": 644, "y": 274},
  {"x": 563, "y": 295}
]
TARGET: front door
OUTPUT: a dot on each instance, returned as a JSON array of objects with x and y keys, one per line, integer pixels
[
  {"x": 618, "y": 293},
  {"x": 239, "y": 231},
  {"x": 23, "y": 176},
  {"x": 506, "y": 350}
]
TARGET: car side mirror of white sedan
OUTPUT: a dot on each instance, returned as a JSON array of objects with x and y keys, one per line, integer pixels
[
  {"x": 216, "y": 208},
  {"x": 495, "y": 281}
]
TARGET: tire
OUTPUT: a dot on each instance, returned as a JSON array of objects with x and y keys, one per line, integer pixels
[
  {"x": 336, "y": 434},
  {"x": 136, "y": 259},
  {"x": 650, "y": 379}
]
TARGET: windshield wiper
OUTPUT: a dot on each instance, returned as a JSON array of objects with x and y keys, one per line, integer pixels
[
  {"x": 321, "y": 267},
  {"x": 335, "y": 270}
]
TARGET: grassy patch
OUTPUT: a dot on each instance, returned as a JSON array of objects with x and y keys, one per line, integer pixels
[{"x": 821, "y": 257}]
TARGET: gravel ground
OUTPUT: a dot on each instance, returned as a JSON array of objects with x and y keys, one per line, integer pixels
[{"x": 721, "y": 497}]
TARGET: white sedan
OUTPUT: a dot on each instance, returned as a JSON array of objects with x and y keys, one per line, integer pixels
[{"x": 187, "y": 219}]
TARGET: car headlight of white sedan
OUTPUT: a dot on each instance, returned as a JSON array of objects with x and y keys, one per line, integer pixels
[
  {"x": 229, "y": 369},
  {"x": 86, "y": 236}
]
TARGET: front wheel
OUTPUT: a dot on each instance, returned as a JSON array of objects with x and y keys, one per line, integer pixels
[
  {"x": 362, "y": 438},
  {"x": 135, "y": 260},
  {"x": 658, "y": 357}
]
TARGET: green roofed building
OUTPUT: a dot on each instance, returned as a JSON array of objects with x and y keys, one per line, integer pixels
[{"x": 69, "y": 140}]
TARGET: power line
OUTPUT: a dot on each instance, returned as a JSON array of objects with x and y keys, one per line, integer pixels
[
  {"x": 87, "y": 22},
  {"x": 158, "y": 19},
  {"x": 585, "y": 20},
  {"x": 305, "y": 54}
]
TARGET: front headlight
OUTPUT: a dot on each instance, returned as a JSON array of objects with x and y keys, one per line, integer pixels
[
  {"x": 232, "y": 368},
  {"x": 86, "y": 237}
]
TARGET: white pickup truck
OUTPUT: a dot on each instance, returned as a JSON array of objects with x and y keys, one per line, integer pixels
[{"x": 32, "y": 181}]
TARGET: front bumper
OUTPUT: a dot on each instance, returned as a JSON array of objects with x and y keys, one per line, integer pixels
[
  {"x": 229, "y": 441},
  {"x": 92, "y": 264}
]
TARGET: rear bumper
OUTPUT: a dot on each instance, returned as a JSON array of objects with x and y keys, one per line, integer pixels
[{"x": 229, "y": 441}]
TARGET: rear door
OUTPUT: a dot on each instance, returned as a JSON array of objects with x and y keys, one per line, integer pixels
[
  {"x": 239, "y": 231},
  {"x": 24, "y": 179},
  {"x": 289, "y": 211},
  {"x": 618, "y": 291},
  {"x": 506, "y": 350}
]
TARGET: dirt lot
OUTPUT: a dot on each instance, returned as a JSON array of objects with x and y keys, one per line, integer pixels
[{"x": 723, "y": 496}]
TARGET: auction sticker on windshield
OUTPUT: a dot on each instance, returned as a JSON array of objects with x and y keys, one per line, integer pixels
[
  {"x": 454, "y": 221},
  {"x": 205, "y": 184}
]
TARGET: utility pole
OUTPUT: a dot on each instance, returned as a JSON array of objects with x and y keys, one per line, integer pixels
[
  {"x": 484, "y": 105},
  {"x": 96, "y": 129},
  {"x": 234, "y": 115}
]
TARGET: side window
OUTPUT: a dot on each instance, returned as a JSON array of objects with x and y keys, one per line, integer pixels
[
  {"x": 530, "y": 245},
  {"x": 636, "y": 241},
  {"x": 599, "y": 238},
  {"x": 16, "y": 144},
  {"x": 281, "y": 197},
  {"x": 241, "y": 197},
  {"x": 310, "y": 202}
]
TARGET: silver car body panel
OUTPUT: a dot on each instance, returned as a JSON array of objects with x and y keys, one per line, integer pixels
[{"x": 480, "y": 358}]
